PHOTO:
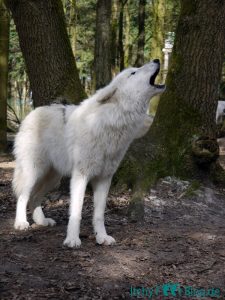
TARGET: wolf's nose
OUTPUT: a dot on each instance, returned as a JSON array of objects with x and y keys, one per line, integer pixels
[{"x": 157, "y": 61}]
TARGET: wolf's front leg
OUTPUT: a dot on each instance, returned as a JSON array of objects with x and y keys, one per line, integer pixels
[
  {"x": 77, "y": 189},
  {"x": 101, "y": 188},
  {"x": 21, "y": 215}
]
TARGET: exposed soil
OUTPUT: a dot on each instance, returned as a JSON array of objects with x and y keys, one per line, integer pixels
[{"x": 182, "y": 240}]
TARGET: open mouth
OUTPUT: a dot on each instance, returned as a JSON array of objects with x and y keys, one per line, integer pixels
[{"x": 153, "y": 77}]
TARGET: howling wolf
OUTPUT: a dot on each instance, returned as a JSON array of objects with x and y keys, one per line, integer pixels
[{"x": 87, "y": 142}]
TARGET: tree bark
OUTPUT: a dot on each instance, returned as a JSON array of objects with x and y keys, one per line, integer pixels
[
  {"x": 141, "y": 33},
  {"x": 182, "y": 140},
  {"x": 4, "y": 54},
  {"x": 103, "y": 44},
  {"x": 47, "y": 51}
]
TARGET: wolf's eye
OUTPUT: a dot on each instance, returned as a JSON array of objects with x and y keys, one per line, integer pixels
[{"x": 132, "y": 73}]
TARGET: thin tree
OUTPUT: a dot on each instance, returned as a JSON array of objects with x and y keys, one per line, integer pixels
[
  {"x": 182, "y": 140},
  {"x": 47, "y": 51},
  {"x": 73, "y": 30},
  {"x": 127, "y": 33},
  {"x": 141, "y": 33},
  {"x": 172, "y": 9},
  {"x": 122, "y": 3},
  {"x": 4, "y": 52},
  {"x": 70, "y": 7},
  {"x": 114, "y": 36},
  {"x": 103, "y": 43},
  {"x": 158, "y": 30}
]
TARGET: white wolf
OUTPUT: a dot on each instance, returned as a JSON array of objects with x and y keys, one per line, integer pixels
[{"x": 87, "y": 142}]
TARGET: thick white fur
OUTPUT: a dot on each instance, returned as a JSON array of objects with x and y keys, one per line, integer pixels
[{"x": 87, "y": 142}]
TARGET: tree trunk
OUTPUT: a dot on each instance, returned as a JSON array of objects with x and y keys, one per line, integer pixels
[
  {"x": 192, "y": 90},
  {"x": 182, "y": 140},
  {"x": 114, "y": 36},
  {"x": 127, "y": 46},
  {"x": 158, "y": 30},
  {"x": 4, "y": 52},
  {"x": 103, "y": 44},
  {"x": 73, "y": 26},
  {"x": 47, "y": 51},
  {"x": 122, "y": 3},
  {"x": 141, "y": 33},
  {"x": 70, "y": 9}
]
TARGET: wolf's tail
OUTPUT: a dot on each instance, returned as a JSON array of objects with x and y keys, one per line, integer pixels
[{"x": 18, "y": 181}]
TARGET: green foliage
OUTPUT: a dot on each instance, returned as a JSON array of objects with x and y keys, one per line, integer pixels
[
  {"x": 84, "y": 24},
  {"x": 85, "y": 36},
  {"x": 19, "y": 86},
  {"x": 85, "y": 30},
  {"x": 17, "y": 69},
  {"x": 172, "y": 12}
]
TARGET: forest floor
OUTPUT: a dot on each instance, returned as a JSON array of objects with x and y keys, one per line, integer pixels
[{"x": 181, "y": 241}]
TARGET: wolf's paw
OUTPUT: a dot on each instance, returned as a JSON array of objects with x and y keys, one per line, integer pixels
[
  {"x": 72, "y": 242},
  {"x": 105, "y": 239},
  {"x": 21, "y": 225},
  {"x": 47, "y": 222}
]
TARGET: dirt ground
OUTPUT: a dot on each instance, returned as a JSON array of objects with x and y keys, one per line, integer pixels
[{"x": 182, "y": 240}]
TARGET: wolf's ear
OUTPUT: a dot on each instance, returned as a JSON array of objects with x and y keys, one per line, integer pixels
[{"x": 106, "y": 95}]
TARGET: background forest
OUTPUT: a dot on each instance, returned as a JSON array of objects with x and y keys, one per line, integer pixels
[
  {"x": 140, "y": 30},
  {"x": 152, "y": 31}
]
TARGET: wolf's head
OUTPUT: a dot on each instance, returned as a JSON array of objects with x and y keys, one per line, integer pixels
[{"x": 133, "y": 85}]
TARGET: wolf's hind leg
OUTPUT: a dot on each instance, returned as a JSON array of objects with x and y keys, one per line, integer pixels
[
  {"x": 101, "y": 188},
  {"x": 21, "y": 222},
  {"x": 40, "y": 219},
  {"x": 49, "y": 181}
]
